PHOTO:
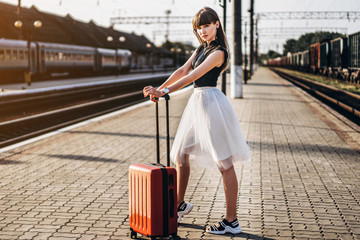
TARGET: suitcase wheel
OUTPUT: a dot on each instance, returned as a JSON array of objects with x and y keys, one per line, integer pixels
[
  {"x": 133, "y": 234},
  {"x": 174, "y": 237}
]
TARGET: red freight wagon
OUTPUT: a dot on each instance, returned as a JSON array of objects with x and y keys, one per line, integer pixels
[{"x": 315, "y": 57}]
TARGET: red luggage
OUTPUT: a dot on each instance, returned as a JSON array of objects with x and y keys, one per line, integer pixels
[{"x": 152, "y": 194}]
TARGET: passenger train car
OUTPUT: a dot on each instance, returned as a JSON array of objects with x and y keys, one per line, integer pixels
[
  {"x": 338, "y": 58},
  {"x": 14, "y": 58},
  {"x": 45, "y": 60}
]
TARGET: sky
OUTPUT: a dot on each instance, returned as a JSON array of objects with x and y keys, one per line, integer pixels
[{"x": 277, "y": 31}]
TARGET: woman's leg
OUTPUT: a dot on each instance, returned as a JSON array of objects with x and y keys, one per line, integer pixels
[
  {"x": 230, "y": 223},
  {"x": 183, "y": 173},
  {"x": 231, "y": 192}
]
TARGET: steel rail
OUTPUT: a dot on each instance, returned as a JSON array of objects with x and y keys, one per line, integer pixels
[
  {"x": 32, "y": 113},
  {"x": 344, "y": 100},
  {"x": 23, "y": 122}
]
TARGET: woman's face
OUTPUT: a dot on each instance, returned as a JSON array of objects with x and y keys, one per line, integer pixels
[{"x": 207, "y": 32}]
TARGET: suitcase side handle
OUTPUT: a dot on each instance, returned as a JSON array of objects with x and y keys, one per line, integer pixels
[{"x": 167, "y": 98}]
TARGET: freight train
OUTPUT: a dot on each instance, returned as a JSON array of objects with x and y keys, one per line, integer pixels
[
  {"x": 337, "y": 58},
  {"x": 42, "y": 60}
]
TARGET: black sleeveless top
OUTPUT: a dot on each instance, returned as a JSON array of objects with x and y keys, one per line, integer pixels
[{"x": 209, "y": 79}]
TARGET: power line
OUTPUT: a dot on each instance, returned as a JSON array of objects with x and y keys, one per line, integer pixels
[
  {"x": 152, "y": 20},
  {"x": 279, "y": 30},
  {"x": 266, "y": 30},
  {"x": 339, "y": 15}
]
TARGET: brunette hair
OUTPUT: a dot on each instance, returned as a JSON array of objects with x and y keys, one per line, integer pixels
[{"x": 207, "y": 15}]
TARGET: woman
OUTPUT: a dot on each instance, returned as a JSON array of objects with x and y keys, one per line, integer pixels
[{"x": 209, "y": 133}]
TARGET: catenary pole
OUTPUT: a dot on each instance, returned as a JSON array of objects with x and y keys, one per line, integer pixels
[
  {"x": 256, "y": 44},
  {"x": 236, "y": 58},
  {"x": 251, "y": 37},
  {"x": 19, "y": 8}
]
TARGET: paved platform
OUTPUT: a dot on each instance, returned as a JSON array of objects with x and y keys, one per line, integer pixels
[{"x": 302, "y": 183}]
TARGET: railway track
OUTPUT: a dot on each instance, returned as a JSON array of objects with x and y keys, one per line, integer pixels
[
  {"x": 63, "y": 107},
  {"x": 346, "y": 103}
]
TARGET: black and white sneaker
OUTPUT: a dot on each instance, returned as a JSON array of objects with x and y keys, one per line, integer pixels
[
  {"x": 225, "y": 227},
  {"x": 183, "y": 209}
]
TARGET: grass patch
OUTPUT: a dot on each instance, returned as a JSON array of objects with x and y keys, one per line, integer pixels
[{"x": 339, "y": 84}]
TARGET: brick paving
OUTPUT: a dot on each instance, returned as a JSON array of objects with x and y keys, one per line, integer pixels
[{"x": 302, "y": 183}]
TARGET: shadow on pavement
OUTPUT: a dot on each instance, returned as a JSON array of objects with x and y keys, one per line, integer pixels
[
  {"x": 121, "y": 134},
  {"x": 194, "y": 226},
  {"x": 82, "y": 158},
  {"x": 4, "y": 162}
]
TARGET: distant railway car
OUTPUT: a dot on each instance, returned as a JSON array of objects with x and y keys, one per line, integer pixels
[
  {"x": 106, "y": 60},
  {"x": 123, "y": 59},
  {"x": 283, "y": 61},
  {"x": 338, "y": 53},
  {"x": 339, "y": 58},
  {"x": 296, "y": 60},
  {"x": 325, "y": 57},
  {"x": 315, "y": 57},
  {"x": 305, "y": 60},
  {"x": 64, "y": 58},
  {"x": 14, "y": 59},
  {"x": 288, "y": 58},
  {"x": 354, "y": 57},
  {"x": 289, "y": 54},
  {"x": 293, "y": 60},
  {"x": 276, "y": 61},
  {"x": 47, "y": 60}
]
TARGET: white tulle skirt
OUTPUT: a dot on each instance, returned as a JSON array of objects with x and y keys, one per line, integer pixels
[{"x": 209, "y": 132}]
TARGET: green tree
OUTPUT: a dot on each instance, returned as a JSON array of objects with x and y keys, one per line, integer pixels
[
  {"x": 305, "y": 40},
  {"x": 289, "y": 46}
]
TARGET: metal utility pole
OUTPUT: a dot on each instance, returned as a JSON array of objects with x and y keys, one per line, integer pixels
[
  {"x": 223, "y": 83},
  {"x": 251, "y": 37},
  {"x": 167, "y": 12},
  {"x": 19, "y": 8},
  {"x": 236, "y": 58},
  {"x": 256, "y": 43},
  {"x": 246, "y": 56}
]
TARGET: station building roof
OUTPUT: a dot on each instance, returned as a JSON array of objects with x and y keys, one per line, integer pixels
[{"x": 67, "y": 30}]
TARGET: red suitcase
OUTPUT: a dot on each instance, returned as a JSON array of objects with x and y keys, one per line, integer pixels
[{"x": 153, "y": 195}]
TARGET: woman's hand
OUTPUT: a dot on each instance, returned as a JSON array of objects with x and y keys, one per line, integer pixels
[{"x": 153, "y": 92}]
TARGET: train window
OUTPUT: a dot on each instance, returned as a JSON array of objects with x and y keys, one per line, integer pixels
[
  {"x": 15, "y": 55},
  {"x": 2, "y": 55},
  {"x": 26, "y": 54},
  {"x": 21, "y": 55},
  {"x": 8, "y": 55}
]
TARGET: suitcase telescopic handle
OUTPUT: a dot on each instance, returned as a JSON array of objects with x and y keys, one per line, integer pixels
[{"x": 167, "y": 98}]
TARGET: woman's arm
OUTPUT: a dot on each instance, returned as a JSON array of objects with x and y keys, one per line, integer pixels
[
  {"x": 215, "y": 59},
  {"x": 179, "y": 73}
]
